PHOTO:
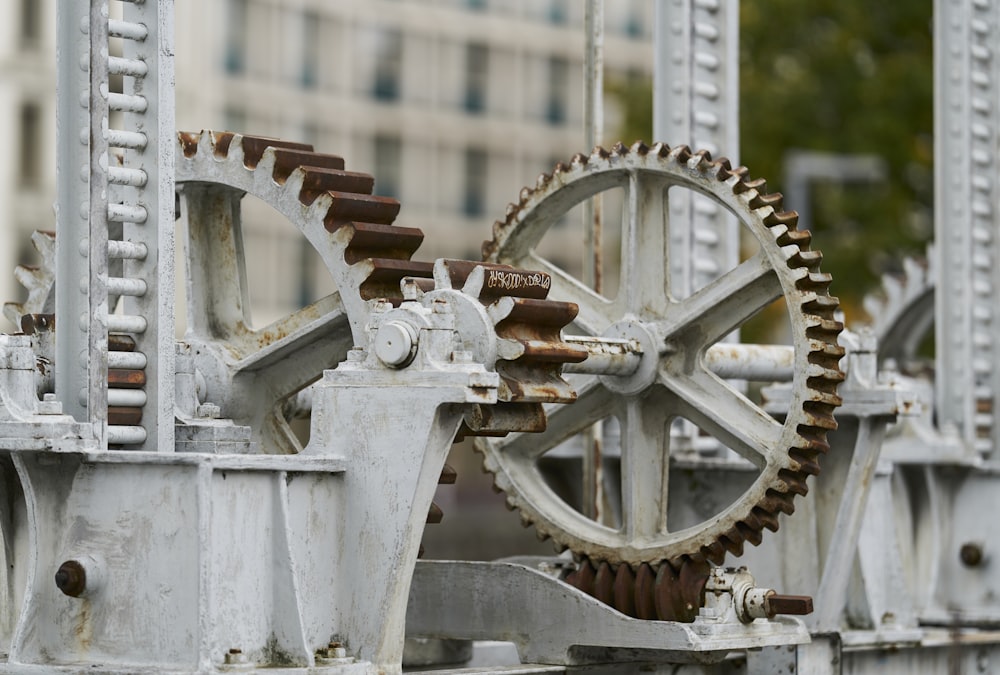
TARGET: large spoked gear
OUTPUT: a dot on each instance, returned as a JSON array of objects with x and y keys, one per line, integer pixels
[
  {"x": 672, "y": 379},
  {"x": 249, "y": 373}
]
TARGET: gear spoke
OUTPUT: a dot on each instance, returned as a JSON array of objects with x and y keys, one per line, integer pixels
[
  {"x": 595, "y": 310},
  {"x": 644, "y": 264},
  {"x": 645, "y": 440},
  {"x": 217, "y": 289},
  {"x": 725, "y": 304},
  {"x": 726, "y": 414},
  {"x": 292, "y": 352},
  {"x": 593, "y": 403}
]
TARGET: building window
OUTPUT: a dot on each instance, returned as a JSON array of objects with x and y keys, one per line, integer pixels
[
  {"x": 557, "y": 11},
  {"x": 30, "y": 21},
  {"x": 474, "y": 202},
  {"x": 29, "y": 144},
  {"x": 310, "y": 49},
  {"x": 633, "y": 26},
  {"x": 555, "y": 109},
  {"x": 388, "y": 166},
  {"x": 237, "y": 26},
  {"x": 388, "y": 64},
  {"x": 476, "y": 77}
]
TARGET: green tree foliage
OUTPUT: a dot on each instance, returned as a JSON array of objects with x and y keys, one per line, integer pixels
[{"x": 846, "y": 78}]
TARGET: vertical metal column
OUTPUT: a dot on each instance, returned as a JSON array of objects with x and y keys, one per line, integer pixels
[
  {"x": 72, "y": 211},
  {"x": 593, "y": 263},
  {"x": 696, "y": 102},
  {"x": 147, "y": 140},
  {"x": 965, "y": 219},
  {"x": 123, "y": 192}
]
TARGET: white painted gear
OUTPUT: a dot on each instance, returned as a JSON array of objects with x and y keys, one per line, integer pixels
[
  {"x": 251, "y": 373},
  {"x": 902, "y": 311},
  {"x": 678, "y": 332},
  {"x": 38, "y": 280}
]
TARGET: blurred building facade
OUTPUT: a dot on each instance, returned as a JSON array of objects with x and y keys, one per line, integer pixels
[{"x": 453, "y": 105}]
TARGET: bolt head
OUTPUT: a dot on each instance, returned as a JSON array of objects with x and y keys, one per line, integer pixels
[
  {"x": 971, "y": 554},
  {"x": 71, "y": 578}
]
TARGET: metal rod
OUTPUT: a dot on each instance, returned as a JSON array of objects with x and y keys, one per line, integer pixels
[
  {"x": 762, "y": 363},
  {"x": 593, "y": 125}
]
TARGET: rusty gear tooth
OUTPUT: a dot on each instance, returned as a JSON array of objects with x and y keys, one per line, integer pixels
[
  {"x": 434, "y": 514},
  {"x": 714, "y": 552},
  {"x": 750, "y": 532},
  {"x": 700, "y": 160},
  {"x": 624, "y": 590},
  {"x": 817, "y": 282},
  {"x": 286, "y": 160},
  {"x": 600, "y": 153},
  {"x": 639, "y": 148},
  {"x": 645, "y": 593},
  {"x": 767, "y": 518},
  {"x": 808, "y": 259},
  {"x": 448, "y": 475},
  {"x": 776, "y": 502},
  {"x": 584, "y": 577},
  {"x": 806, "y": 460},
  {"x": 771, "y": 200},
  {"x": 739, "y": 173},
  {"x": 619, "y": 149},
  {"x": 665, "y": 592},
  {"x": 790, "y": 220},
  {"x": 680, "y": 154},
  {"x": 659, "y": 149},
  {"x": 578, "y": 160},
  {"x": 732, "y": 541},
  {"x": 794, "y": 482},
  {"x": 680, "y": 593},
  {"x": 604, "y": 584}
]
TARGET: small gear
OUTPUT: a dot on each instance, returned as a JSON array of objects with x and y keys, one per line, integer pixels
[
  {"x": 629, "y": 566},
  {"x": 37, "y": 280},
  {"x": 902, "y": 312}
]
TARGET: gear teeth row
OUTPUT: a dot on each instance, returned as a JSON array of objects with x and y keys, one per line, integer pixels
[
  {"x": 661, "y": 592},
  {"x": 810, "y": 297},
  {"x": 377, "y": 252}
]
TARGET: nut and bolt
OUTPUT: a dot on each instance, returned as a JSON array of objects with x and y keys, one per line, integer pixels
[
  {"x": 971, "y": 554},
  {"x": 235, "y": 656},
  {"x": 71, "y": 578},
  {"x": 334, "y": 650}
]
